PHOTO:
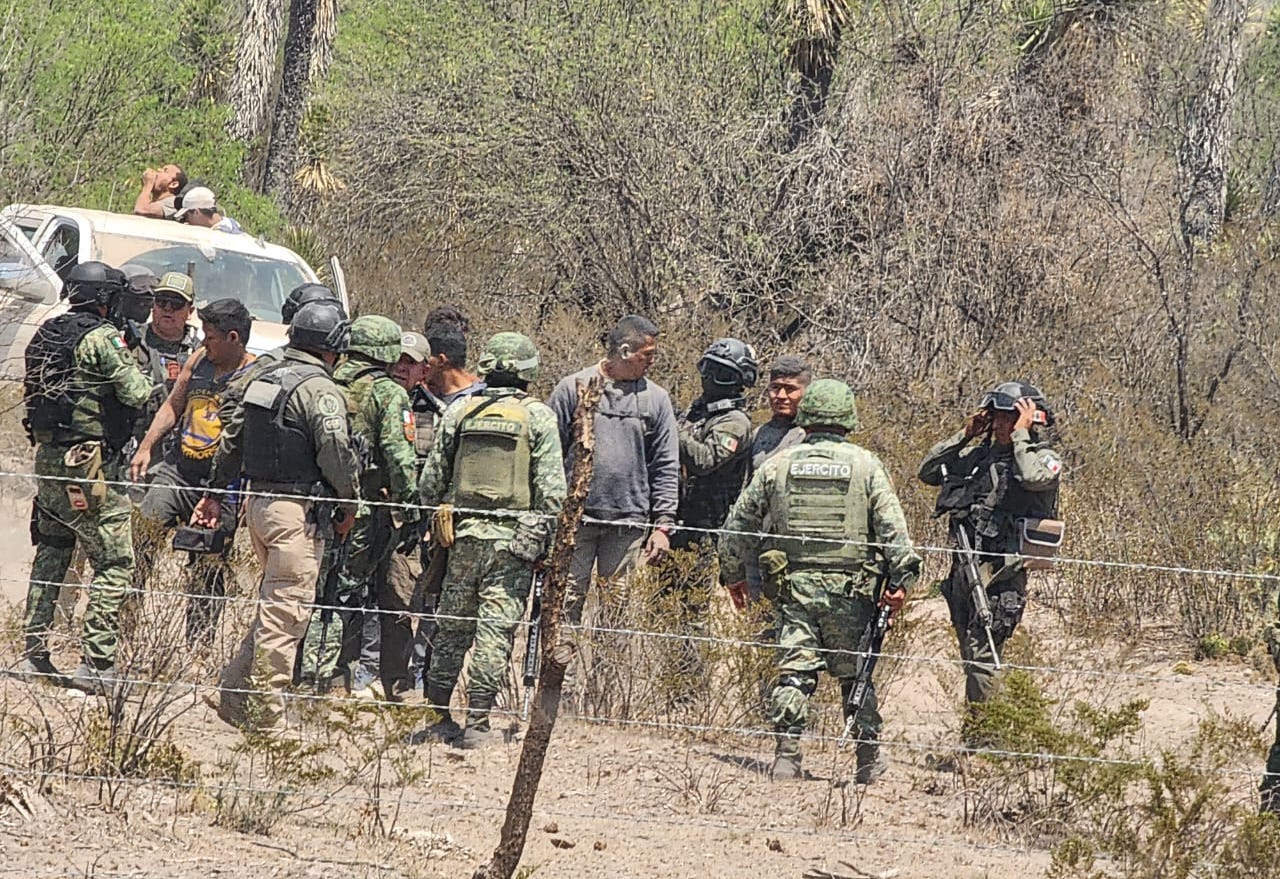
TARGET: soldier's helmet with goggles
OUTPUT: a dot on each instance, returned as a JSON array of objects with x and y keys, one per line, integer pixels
[
  {"x": 305, "y": 293},
  {"x": 1005, "y": 396},
  {"x": 95, "y": 283},
  {"x": 510, "y": 353},
  {"x": 828, "y": 403},
  {"x": 321, "y": 326},
  {"x": 730, "y": 363},
  {"x": 376, "y": 337}
]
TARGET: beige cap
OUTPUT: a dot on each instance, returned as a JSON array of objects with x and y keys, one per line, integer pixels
[
  {"x": 177, "y": 282},
  {"x": 197, "y": 198},
  {"x": 415, "y": 346}
]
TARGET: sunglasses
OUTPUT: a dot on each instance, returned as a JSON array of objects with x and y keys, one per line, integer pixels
[{"x": 165, "y": 303}]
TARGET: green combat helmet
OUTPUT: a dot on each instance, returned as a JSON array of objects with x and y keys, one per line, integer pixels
[
  {"x": 511, "y": 353},
  {"x": 376, "y": 337},
  {"x": 828, "y": 403}
]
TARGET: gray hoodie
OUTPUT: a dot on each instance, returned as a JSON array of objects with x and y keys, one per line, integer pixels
[{"x": 636, "y": 477}]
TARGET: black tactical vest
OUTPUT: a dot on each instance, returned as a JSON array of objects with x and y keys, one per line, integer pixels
[
  {"x": 47, "y": 389},
  {"x": 277, "y": 446},
  {"x": 707, "y": 497}
]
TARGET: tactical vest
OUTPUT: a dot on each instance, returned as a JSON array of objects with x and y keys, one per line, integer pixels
[
  {"x": 277, "y": 446},
  {"x": 50, "y": 358},
  {"x": 820, "y": 492},
  {"x": 707, "y": 498},
  {"x": 1000, "y": 501},
  {"x": 427, "y": 410},
  {"x": 492, "y": 454}
]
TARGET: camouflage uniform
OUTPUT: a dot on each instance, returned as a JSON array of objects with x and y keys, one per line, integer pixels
[
  {"x": 1270, "y": 787},
  {"x": 774, "y": 436},
  {"x": 824, "y": 488},
  {"x": 1009, "y": 483},
  {"x": 106, "y": 386},
  {"x": 498, "y": 449},
  {"x": 381, "y": 418}
]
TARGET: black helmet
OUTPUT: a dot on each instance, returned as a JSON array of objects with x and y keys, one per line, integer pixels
[
  {"x": 320, "y": 326},
  {"x": 305, "y": 293},
  {"x": 1005, "y": 395},
  {"x": 738, "y": 360},
  {"x": 95, "y": 283}
]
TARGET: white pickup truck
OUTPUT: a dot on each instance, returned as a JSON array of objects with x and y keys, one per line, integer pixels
[{"x": 40, "y": 244}]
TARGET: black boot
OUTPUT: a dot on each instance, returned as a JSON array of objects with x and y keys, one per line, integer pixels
[{"x": 445, "y": 729}]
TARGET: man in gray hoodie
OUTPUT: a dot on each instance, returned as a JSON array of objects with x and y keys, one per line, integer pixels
[{"x": 635, "y": 481}]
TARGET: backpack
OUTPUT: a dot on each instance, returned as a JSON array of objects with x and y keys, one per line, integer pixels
[{"x": 50, "y": 361}]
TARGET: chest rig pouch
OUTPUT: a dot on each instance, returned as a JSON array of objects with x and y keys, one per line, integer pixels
[{"x": 492, "y": 454}]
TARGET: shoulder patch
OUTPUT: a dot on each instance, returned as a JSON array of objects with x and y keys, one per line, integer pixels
[
  {"x": 410, "y": 424},
  {"x": 117, "y": 341},
  {"x": 335, "y": 424},
  {"x": 729, "y": 442},
  {"x": 1053, "y": 463},
  {"x": 330, "y": 404}
]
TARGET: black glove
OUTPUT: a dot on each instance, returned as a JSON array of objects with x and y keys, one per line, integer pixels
[{"x": 410, "y": 537}]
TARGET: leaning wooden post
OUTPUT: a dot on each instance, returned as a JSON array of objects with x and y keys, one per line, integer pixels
[{"x": 555, "y": 656}]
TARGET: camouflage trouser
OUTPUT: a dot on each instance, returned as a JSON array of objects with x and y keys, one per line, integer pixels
[
  {"x": 1008, "y": 599},
  {"x": 344, "y": 642},
  {"x": 822, "y": 617},
  {"x": 1270, "y": 787},
  {"x": 105, "y": 533},
  {"x": 483, "y": 599}
]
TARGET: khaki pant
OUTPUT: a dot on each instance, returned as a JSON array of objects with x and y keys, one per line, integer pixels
[
  {"x": 290, "y": 560},
  {"x": 611, "y": 550}
]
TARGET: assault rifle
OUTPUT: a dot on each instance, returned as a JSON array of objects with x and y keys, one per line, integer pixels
[
  {"x": 531, "y": 651},
  {"x": 339, "y": 556},
  {"x": 981, "y": 606},
  {"x": 873, "y": 635}
]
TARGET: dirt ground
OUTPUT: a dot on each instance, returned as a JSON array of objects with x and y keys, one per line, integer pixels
[{"x": 615, "y": 800}]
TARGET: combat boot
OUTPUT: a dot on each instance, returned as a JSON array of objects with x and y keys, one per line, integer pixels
[
  {"x": 478, "y": 732},
  {"x": 786, "y": 759},
  {"x": 871, "y": 764},
  {"x": 445, "y": 729},
  {"x": 38, "y": 668},
  {"x": 94, "y": 680}
]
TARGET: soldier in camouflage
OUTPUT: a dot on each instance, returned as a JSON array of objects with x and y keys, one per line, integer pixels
[
  {"x": 715, "y": 445},
  {"x": 988, "y": 487},
  {"x": 83, "y": 392},
  {"x": 837, "y": 528},
  {"x": 497, "y": 450},
  {"x": 382, "y": 428},
  {"x": 1270, "y": 787}
]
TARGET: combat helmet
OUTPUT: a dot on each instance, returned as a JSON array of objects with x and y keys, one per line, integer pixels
[
  {"x": 738, "y": 362},
  {"x": 512, "y": 353},
  {"x": 1006, "y": 395},
  {"x": 828, "y": 403},
  {"x": 376, "y": 337},
  {"x": 321, "y": 326},
  {"x": 304, "y": 293},
  {"x": 95, "y": 283}
]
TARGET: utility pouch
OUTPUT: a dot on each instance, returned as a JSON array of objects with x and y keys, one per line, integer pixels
[
  {"x": 773, "y": 570},
  {"x": 442, "y": 526},
  {"x": 86, "y": 458},
  {"x": 529, "y": 542},
  {"x": 1039, "y": 541},
  {"x": 202, "y": 540}
]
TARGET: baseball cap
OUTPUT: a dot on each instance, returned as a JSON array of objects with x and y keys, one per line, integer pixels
[
  {"x": 197, "y": 198},
  {"x": 415, "y": 347},
  {"x": 177, "y": 282}
]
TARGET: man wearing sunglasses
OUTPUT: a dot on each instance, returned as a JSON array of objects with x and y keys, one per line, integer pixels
[{"x": 163, "y": 346}]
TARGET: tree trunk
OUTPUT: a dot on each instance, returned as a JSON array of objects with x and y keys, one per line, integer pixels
[
  {"x": 555, "y": 656},
  {"x": 291, "y": 102},
  {"x": 812, "y": 62},
  {"x": 256, "y": 67},
  {"x": 1202, "y": 158}
]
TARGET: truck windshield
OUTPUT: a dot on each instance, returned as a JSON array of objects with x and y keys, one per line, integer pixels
[{"x": 260, "y": 282}]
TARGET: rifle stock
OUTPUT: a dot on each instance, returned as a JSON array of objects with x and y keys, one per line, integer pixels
[{"x": 873, "y": 637}]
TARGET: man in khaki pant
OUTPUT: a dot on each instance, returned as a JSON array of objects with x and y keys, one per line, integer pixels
[{"x": 295, "y": 443}]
